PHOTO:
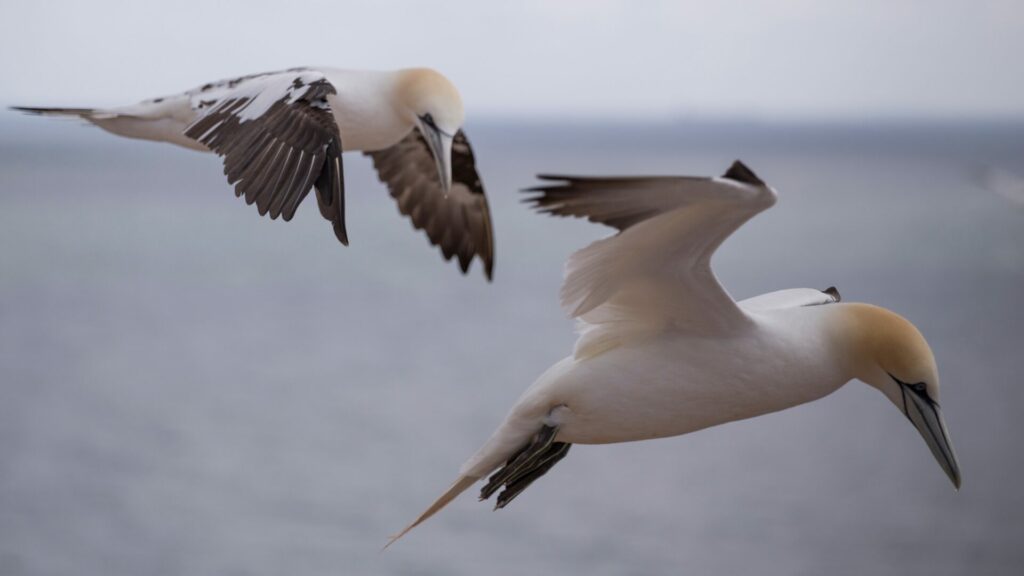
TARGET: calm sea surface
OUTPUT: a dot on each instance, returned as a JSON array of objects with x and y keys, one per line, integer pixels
[{"x": 189, "y": 389}]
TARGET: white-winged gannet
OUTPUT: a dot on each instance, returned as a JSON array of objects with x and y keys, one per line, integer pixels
[
  {"x": 282, "y": 133},
  {"x": 663, "y": 349}
]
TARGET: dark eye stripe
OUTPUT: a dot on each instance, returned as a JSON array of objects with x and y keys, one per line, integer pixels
[
  {"x": 903, "y": 395},
  {"x": 918, "y": 387},
  {"x": 429, "y": 121}
]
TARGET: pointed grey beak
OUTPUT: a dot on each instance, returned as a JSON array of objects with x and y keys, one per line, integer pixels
[
  {"x": 440, "y": 145},
  {"x": 926, "y": 416}
]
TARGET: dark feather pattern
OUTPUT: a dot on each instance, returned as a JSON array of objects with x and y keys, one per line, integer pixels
[
  {"x": 612, "y": 201},
  {"x": 275, "y": 158},
  {"x": 460, "y": 225},
  {"x": 621, "y": 201},
  {"x": 833, "y": 292},
  {"x": 741, "y": 173},
  {"x": 529, "y": 463}
]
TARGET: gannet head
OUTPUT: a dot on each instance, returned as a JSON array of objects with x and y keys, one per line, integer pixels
[
  {"x": 892, "y": 356},
  {"x": 432, "y": 103}
]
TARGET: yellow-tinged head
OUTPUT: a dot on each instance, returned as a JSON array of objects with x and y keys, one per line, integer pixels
[
  {"x": 433, "y": 104},
  {"x": 889, "y": 353},
  {"x": 426, "y": 92}
]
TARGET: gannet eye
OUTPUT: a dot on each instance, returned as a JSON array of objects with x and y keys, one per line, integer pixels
[
  {"x": 919, "y": 388},
  {"x": 429, "y": 121}
]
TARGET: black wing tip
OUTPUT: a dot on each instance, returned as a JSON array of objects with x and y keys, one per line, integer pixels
[
  {"x": 834, "y": 293},
  {"x": 486, "y": 261},
  {"x": 741, "y": 173},
  {"x": 341, "y": 234},
  {"x": 466, "y": 265}
]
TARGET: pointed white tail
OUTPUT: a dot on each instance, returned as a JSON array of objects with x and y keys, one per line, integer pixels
[{"x": 457, "y": 488}]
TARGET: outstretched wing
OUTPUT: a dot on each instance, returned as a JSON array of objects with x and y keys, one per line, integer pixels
[
  {"x": 656, "y": 271},
  {"x": 278, "y": 139},
  {"x": 459, "y": 224}
]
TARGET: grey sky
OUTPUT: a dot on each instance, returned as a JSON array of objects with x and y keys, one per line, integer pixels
[{"x": 578, "y": 58}]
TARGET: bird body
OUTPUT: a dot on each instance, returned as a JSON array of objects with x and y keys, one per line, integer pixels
[
  {"x": 366, "y": 108},
  {"x": 282, "y": 133},
  {"x": 675, "y": 383},
  {"x": 664, "y": 350}
]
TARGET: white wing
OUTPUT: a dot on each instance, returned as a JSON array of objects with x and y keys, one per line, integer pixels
[
  {"x": 656, "y": 272},
  {"x": 791, "y": 298}
]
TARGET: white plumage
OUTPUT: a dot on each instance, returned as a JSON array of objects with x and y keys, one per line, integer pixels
[{"x": 664, "y": 350}]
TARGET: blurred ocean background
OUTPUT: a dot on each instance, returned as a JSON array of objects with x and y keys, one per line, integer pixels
[{"x": 187, "y": 388}]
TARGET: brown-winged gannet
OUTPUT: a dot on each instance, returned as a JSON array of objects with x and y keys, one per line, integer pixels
[{"x": 282, "y": 133}]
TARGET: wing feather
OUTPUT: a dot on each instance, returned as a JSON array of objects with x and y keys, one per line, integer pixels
[
  {"x": 278, "y": 139},
  {"x": 656, "y": 271},
  {"x": 459, "y": 225}
]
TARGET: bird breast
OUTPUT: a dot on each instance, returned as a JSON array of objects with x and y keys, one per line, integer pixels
[{"x": 674, "y": 385}]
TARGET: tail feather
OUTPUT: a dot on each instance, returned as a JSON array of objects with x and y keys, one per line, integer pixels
[
  {"x": 160, "y": 120},
  {"x": 457, "y": 488},
  {"x": 70, "y": 112}
]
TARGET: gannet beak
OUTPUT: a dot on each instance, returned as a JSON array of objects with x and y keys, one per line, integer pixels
[
  {"x": 440, "y": 144},
  {"x": 927, "y": 418}
]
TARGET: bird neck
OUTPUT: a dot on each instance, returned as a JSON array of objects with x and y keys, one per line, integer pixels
[
  {"x": 820, "y": 347},
  {"x": 862, "y": 336},
  {"x": 368, "y": 110}
]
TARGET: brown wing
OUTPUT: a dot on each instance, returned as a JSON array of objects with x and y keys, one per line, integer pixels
[
  {"x": 278, "y": 139},
  {"x": 459, "y": 224}
]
